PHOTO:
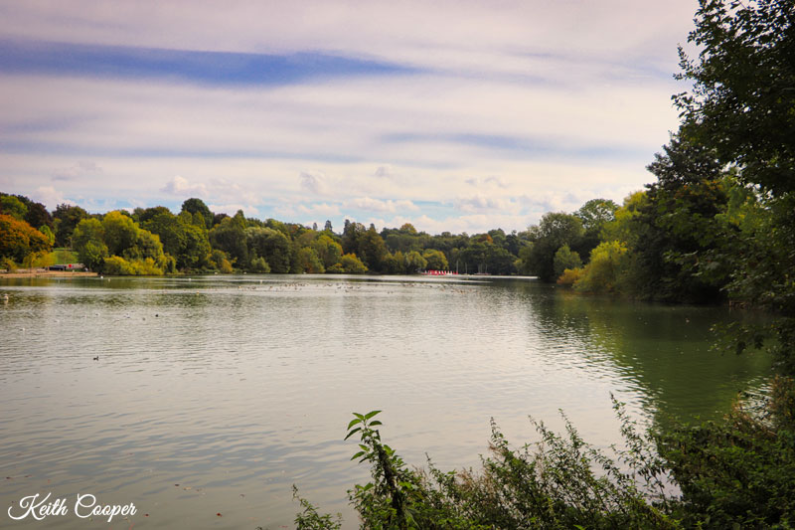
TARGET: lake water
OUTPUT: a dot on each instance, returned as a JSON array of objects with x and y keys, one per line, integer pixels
[{"x": 213, "y": 395}]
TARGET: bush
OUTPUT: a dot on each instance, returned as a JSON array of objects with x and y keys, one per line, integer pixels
[
  {"x": 349, "y": 264},
  {"x": 608, "y": 261},
  {"x": 564, "y": 259},
  {"x": 570, "y": 277},
  {"x": 551, "y": 485},
  {"x": 739, "y": 472},
  {"x": 259, "y": 265},
  {"x": 733, "y": 474},
  {"x": 118, "y": 266},
  {"x": 8, "y": 264},
  {"x": 310, "y": 519}
]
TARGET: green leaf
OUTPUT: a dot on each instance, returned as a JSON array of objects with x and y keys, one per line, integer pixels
[
  {"x": 371, "y": 414},
  {"x": 357, "y": 455},
  {"x": 354, "y": 422},
  {"x": 374, "y": 423},
  {"x": 351, "y": 433}
]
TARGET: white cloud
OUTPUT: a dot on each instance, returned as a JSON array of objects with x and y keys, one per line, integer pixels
[
  {"x": 471, "y": 224},
  {"x": 487, "y": 182},
  {"x": 181, "y": 187},
  {"x": 516, "y": 37},
  {"x": 81, "y": 168},
  {"x": 314, "y": 182},
  {"x": 480, "y": 202},
  {"x": 385, "y": 172},
  {"x": 49, "y": 197},
  {"x": 319, "y": 209},
  {"x": 377, "y": 205}
]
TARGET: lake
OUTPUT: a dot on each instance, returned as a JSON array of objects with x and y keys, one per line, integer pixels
[{"x": 214, "y": 395}]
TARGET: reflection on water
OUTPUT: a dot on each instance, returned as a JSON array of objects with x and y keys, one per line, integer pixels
[{"x": 214, "y": 395}]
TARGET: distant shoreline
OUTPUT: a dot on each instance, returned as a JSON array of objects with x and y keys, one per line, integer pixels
[{"x": 41, "y": 273}]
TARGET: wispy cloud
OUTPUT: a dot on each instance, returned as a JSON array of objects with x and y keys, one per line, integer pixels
[
  {"x": 377, "y": 205},
  {"x": 50, "y": 197},
  {"x": 314, "y": 182},
  {"x": 77, "y": 170},
  {"x": 180, "y": 186},
  {"x": 482, "y": 203},
  {"x": 459, "y": 115}
]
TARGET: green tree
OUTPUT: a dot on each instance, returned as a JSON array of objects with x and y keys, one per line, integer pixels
[
  {"x": 678, "y": 224},
  {"x": 48, "y": 233},
  {"x": 88, "y": 240},
  {"x": 142, "y": 216},
  {"x": 415, "y": 262},
  {"x": 273, "y": 245},
  {"x": 351, "y": 234},
  {"x": 197, "y": 206},
  {"x": 499, "y": 260},
  {"x": 395, "y": 263},
  {"x": 741, "y": 106},
  {"x": 10, "y": 205},
  {"x": 565, "y": 258},
  {"x": 184, "y": 240},
  {"x": 605, "y": 268},
  {"x": 33, "y": 213},
  {"x": 309, "y": 262},
  {"x": 260, "y": 266},
  {"x": 168, "y": 227},
  {"x": 349, "y": 264},
  {"x": 229, "y": 236},
  {"x": 436, "y": 260},
  {"x": 66, "y": 217},
  {"x": 197, "y": 251},
  {"x": 371, "y": 249},
  {"x": 554, "y": 231},
  {"x": 328, "y": 250},
  {"x": 621, "y": 227},
  {"x": 595, "y": 214},
  {"x": 742, "y": 98},
  {"x": 120, "y": 232}
]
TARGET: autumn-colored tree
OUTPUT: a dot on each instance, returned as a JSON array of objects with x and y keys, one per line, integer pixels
[{"x": 18, "y": 239}]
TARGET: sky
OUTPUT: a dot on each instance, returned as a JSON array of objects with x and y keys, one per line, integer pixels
[{"x": 460, "y": 116}]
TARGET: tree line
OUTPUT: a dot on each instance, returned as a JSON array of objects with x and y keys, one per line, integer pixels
[{"x": 155, "y": 241}]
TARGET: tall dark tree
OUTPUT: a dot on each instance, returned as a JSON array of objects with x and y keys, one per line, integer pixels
[
  {"x": 677, "y": 225},
  {"x": 194, "y": 206},
  {"x": 741, "y": 106},
  {"x": 66, "y": 218},
  {"x": 744, "y": 88}
]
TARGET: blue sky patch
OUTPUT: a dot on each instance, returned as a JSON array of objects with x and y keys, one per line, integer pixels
[{"x": 214, "y": 68}]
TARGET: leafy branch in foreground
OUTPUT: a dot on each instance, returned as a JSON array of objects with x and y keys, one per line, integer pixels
[
  {"x": 733, "y": 473},
  {"x": 551, "y": 484},
  {"x": 310, "y": 519}
]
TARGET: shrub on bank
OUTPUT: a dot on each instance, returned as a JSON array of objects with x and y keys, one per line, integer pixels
[{"x": 732, "y": 474}]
